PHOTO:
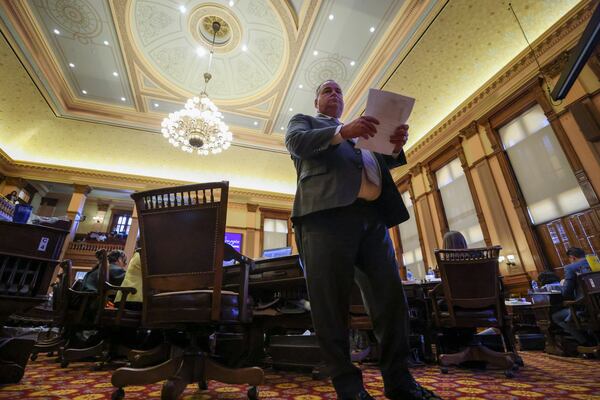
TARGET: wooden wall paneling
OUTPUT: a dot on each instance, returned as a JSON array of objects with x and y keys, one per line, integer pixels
[
  {"x": 429, "y": 236},
  {"x": 586, "y": 228},
  {"x": 495, "y": 214},
  {"x": 467, "y": 170},
  {"x": 437, "y": 201}
]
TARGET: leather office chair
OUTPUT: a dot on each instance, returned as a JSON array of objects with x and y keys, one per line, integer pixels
[
  {"x": 93, "y": 312},
  {"x": 589, "y": 283},
  {"x": 182, "y": 232},
  {"x": 472, "y": 289}
]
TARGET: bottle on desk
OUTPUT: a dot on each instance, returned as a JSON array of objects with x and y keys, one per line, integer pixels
[{"x": 534, "y": 286}]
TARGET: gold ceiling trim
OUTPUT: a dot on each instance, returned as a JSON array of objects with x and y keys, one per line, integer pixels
[
  {"x": 397, "y": 32},
  {"x": 110, "y": 180},
  {"x": 557, "y": 39}
]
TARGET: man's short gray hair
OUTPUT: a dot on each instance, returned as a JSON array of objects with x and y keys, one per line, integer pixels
[{"x": 321, "y": 86}]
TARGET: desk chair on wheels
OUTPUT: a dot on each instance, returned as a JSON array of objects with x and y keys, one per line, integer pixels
[
  {"x": 472, "y": 290},
  {"x": 182, "y": 231}
]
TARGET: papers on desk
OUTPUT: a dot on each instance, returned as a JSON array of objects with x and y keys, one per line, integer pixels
[
  {"x": 392, "y": 110},
  {"x": 517, "y": 303}
]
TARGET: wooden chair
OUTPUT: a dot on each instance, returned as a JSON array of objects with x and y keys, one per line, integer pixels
[
  {"x": 471, "y": 288},
  {"x": 589, "y": 283},
  {"x": 94, "y": 312},
  {"x": 182, "y": 231},
  {"x": 60, "y": 300}
]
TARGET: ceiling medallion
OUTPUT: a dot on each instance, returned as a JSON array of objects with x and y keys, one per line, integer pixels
[
  {"x": 199, "y": 127},
  {"x": 200, "y": 23}
]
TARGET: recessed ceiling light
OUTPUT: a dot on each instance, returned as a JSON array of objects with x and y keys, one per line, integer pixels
[
  {"x": 255, "y": 123},
  {"x": 300, "y": 86},
  {"x": 155, "y": 105},
  {"x": 231, "y": 3},
  {"x": 123, "y": 99},
  {"x": 84, "y": 91},
  {"x": 182, "y": 9},
  {"x": 331, "y": 17},
  {"x": 282, "y": 128},
  {"x": 352, "y": 63},
  {"x": 244, "y": 48},
  {"x": 56, "y": 32},
  {"x": 315, "y": 53},
  {"x": 115, "y": 73},
  {"x": 201, "y": 51},
  {"x": 372, "y": 29},
  {"x": 106, "y": 43},
  {"x": 291, "y": 109},
  {"x": 71, "y": 65}
]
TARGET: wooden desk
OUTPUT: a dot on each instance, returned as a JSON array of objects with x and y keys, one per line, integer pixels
[
  {"x": 544, "y": 305},
  {"x": 28, "y": 256}
]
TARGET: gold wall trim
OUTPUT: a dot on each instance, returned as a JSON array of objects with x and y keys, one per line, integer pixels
[
  {"x": 556, "y": 40},
  {"x": 109, "y": 180}
]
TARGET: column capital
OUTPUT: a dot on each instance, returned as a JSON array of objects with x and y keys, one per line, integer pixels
[
  {"x": 83, "y": 189},
  {"x": 252, "y": 207}
]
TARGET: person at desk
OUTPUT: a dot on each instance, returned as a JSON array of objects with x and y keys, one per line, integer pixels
[
  {"x": 133, "y": 278},
  {"x": 570, "y": 291},
  {"x": 116, "y": 271},
  {"x": 345, "y": 201}
]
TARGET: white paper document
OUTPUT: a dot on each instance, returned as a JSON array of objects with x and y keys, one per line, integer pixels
[{"x": 391, "y": 110}]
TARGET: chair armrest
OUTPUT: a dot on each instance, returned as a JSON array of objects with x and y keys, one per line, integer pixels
[
  {"x": 125, "y": 290},
  {"x": 438, "y": 290},
  {"x": 246, "y": 266}
]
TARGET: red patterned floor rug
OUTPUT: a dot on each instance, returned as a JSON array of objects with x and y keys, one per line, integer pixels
[{"x": 544, "y": 377}]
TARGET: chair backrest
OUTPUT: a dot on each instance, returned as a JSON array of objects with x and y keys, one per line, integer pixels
[
  {"x": 60, "y": 292},
  {"x": 470, "y": 277},
  {"x": 182, "y": 231},
  {"x": 590, "y": 286}
]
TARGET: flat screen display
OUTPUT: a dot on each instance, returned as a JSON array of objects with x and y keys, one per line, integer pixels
[{"x": 234, "y": 240}]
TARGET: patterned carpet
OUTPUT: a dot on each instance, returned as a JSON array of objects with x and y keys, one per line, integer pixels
[{"x": 544, "y": 377}]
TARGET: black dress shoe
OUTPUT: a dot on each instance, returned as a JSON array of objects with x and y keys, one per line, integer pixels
[
  {"x": 362, "y": 395},
  {"x": 414, "y": 392}
]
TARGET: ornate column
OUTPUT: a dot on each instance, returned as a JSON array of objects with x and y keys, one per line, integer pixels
[
  {"x": 134, "y": 232},
  {"x": 252, "y": 241},
  {"x": 74, "y": 212}
]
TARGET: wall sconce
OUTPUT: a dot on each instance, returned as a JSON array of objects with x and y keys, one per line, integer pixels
[
  {"x": 501, "y": 259},
  {"x": 510, "y": 260}
]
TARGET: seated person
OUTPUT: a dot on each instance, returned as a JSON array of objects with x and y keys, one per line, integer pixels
[
  {"x": 133, "y": 278},
  {"x": 547, "y": 277},
  {"x": 116, "y": 271},
  {"x": 570, "y": 291}
]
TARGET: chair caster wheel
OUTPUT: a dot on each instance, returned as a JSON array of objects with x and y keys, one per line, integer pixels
[
  {"x": 33, "y": 357},
  {"x": 203, "y": 385},
  {"x": 64, "y": 364},
  {"x": 253, "y": 393},
  {"x": 118, "y": 394},
  {"x": 509, "y": 374},
  {"x": 444, "y": 370}
]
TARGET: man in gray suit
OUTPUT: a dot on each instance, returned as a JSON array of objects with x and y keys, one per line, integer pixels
[{"x": 345, "y": 201}]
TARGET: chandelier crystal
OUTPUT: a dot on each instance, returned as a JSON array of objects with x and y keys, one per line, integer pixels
[{"x": 199, "y": 125}]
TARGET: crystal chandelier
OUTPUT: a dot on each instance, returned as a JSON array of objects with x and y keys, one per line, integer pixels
[{"x": 199, "y": 126}]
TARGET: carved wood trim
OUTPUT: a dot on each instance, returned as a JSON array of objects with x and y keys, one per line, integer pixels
[
  {"x": 437, "y": 198},
  {"x": 411, "y": 194},
  {"x": 478, "y": 211}
]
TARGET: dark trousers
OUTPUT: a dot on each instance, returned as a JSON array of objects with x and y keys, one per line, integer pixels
[
  {"x": 332, "y": 243},
  {"x": 563, "y": 319}
]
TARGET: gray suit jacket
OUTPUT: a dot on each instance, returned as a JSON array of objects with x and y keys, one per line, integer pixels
[{"x": 329, "y": 176}]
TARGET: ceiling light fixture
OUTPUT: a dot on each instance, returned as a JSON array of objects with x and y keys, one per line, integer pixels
[
  {"x": 106, "y": 43},
  {"x": 155, "y": 105},
  {"x": 291, "y": 109},
  {"x": 331, "y": 17},
  {"x": 231, "y": 3},
  {"x": 71, "y": 65},
  {"x": 315, "y": 53},
  {"x": 255, "y": 123},
  {"x": 199, "y": 126},
  {"x": 244, "y": 48},
  {"x": 352, "y": 63},
  {"x": 56, "y": 32},
  {"x": 300, "y": 86},
  {"x": 123, "y": 99},
  {"x": 372, "y": 29},
  {"x": 84, "y": 91},
  {"x": 115, "y": 73},
  {"x": 182, "y": 9}
]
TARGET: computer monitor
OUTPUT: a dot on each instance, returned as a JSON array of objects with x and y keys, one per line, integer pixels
[
  {"x": 279, "y": 252},
  {"x": 234, "y": 240},
  {"x": 80, "y": 275}
]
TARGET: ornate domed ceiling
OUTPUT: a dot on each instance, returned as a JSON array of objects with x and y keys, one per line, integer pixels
[{"x": 128, "y": 63}]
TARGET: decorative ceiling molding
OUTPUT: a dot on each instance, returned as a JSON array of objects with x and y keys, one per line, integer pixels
[
  {"x": 105, "y": 180},
  {"x": 399, "y": 31},
  {"x": 556, "y": 40}
]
